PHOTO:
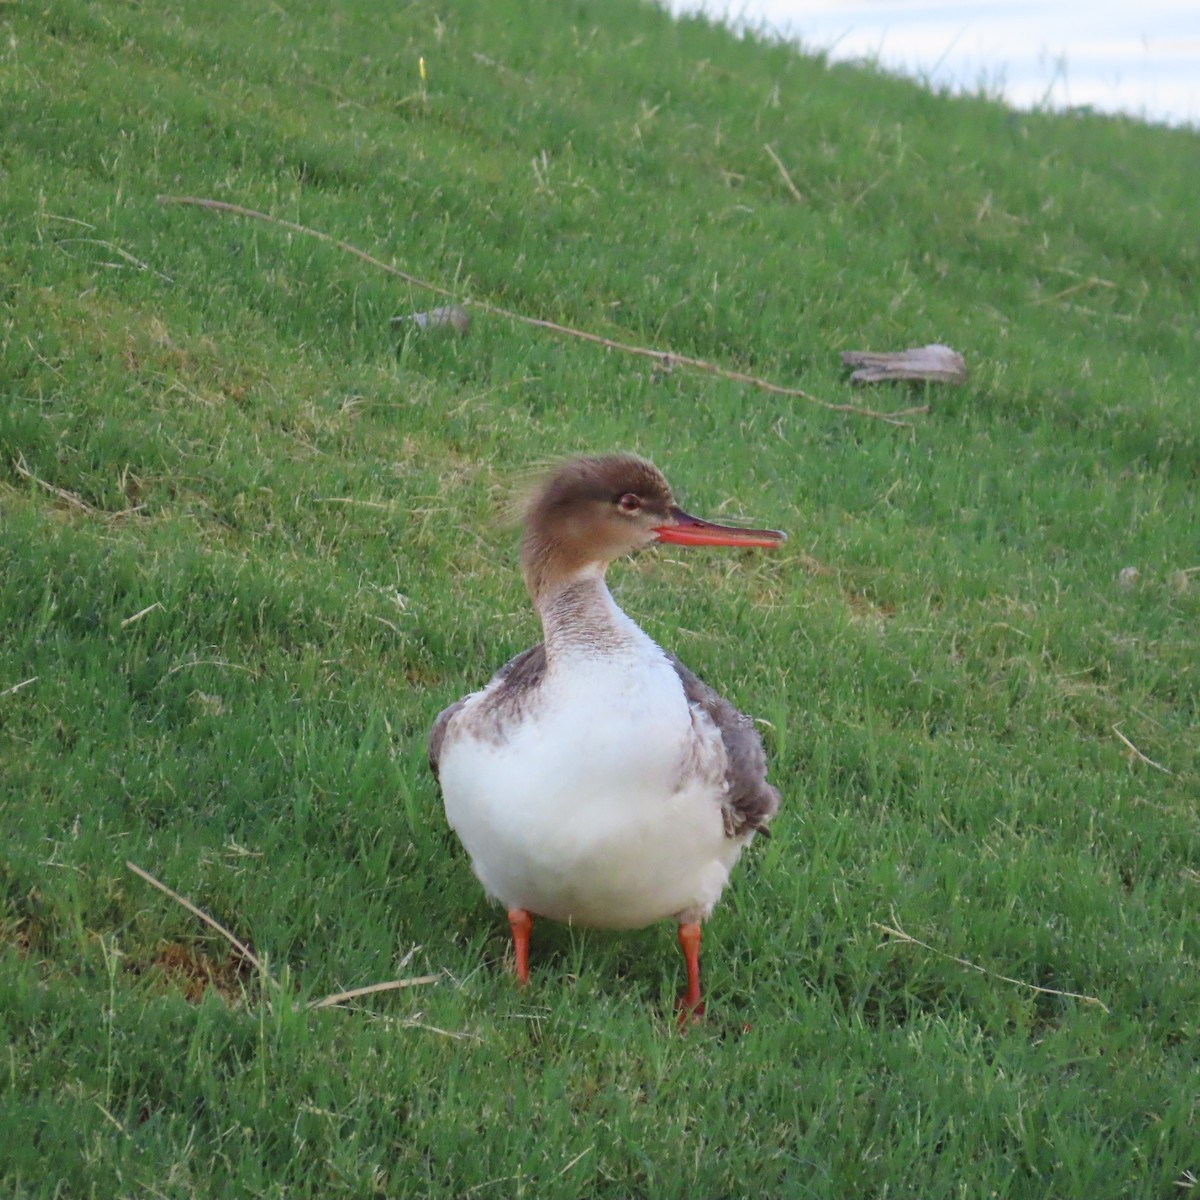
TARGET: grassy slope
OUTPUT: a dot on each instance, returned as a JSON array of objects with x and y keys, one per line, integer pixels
[{"x": 312, "y": 517}]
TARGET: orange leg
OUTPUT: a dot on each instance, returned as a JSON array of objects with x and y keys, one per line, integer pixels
[
  {"x": 521, "y": 923},
  {"x": 690, "y": 1006}
]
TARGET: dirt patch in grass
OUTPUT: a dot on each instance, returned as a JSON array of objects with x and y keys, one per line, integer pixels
[{"x": 192, "y": 973}]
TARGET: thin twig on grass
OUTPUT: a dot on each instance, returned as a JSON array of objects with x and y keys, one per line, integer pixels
[
  {"x": 498, "y": 66},
  {"x": 666, "y": 357},
  {"x": 16, "y": 687},
  {"x": 457, "y": 1035},
  {"x": 390, "y": 986},
  {"x": 137, "y": 616},
  {"x": 1138, "y": 754},
  {"x": 22, "y": 469},
  {"x": 351, "y": 500},
  {"x": 573, "y": 1161},
  {"x": 212, "y": 922},
  {"x": 489, "y": 1183},
  {"x": 1082, "y": 286},
  {"x": 256, "y": 962},
  {"x": 108, "y": 1116},
  {"x": 899, "y": 934},
  {"x": 238, "y": 211},
  {"x": 210, "y": 662},
  {"x": 787, "y": 179},
  {"x": 129, "y": 258}
]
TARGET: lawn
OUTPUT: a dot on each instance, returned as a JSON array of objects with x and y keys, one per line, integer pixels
[{"x": 254, "y": 536}]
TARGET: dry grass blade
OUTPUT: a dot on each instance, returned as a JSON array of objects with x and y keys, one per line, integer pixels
[
  {"x": 587, "y": 1150},
  {"x": 666, "y": 357},
  {"x": 137, "y": 616},
  {"x": 22, "y": 469},
  {"x": 1093, "y": 282},
  {"x": 797, "y": 194},
  {"x": 211, "y": 922},
  {"x": 670, "y": 359},
  {"x": 900, "y": 935},
  {"x": 16, "y": 687},
  {"x": 249, "y": 955},
  {"x": 1139, "y": 755},
  {"x": 107, "y": 245},
  {"x": 351, "y": 500},
  {"x": 455, "y": 1034},
  {"x": 238, "y": 211},
  {"x": 111, "y": 1119},
  {"x": 391, "y": 985},
  {"x": 211, "y": 662}
]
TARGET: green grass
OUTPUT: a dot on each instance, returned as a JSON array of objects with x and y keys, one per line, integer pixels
[{"x": 275, "y": 553}]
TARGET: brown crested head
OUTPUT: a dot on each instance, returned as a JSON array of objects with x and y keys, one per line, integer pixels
[{"x": 593, "y": 509}]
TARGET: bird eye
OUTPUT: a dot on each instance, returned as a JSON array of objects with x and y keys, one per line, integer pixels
[{"x": 629, "y": 503}]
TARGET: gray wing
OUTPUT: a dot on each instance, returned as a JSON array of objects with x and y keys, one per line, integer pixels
[
  {"x": 507, "y": 686},
  {"x": 437, "y": 735},
  {"x": 751, "y": 801}
]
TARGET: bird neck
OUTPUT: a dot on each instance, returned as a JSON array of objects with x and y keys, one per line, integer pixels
[{"x": 579, "y": 616}]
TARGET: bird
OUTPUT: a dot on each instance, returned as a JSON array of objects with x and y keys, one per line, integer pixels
[{"x": 595, "y": 780}]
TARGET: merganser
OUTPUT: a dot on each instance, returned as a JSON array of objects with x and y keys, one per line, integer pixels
[{"x": 595, "y": 780}]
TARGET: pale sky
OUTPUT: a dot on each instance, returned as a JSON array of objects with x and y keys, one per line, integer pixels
[{"x": 1142, "y": 58}]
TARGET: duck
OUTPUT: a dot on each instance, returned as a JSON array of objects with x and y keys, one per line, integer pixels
[{"x": 595, "y": 780}]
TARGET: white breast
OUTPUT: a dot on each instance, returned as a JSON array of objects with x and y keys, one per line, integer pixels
[{"x": 601, "y": 805}]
